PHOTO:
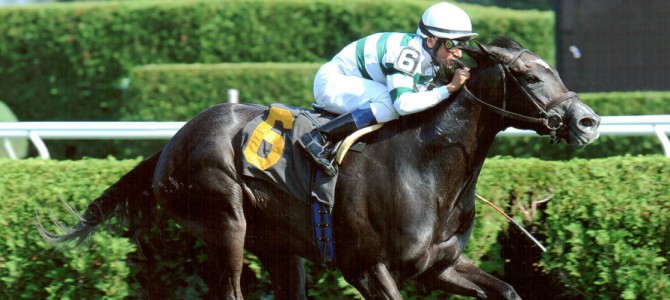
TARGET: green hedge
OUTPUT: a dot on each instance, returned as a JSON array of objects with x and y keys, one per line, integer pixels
[
  {"x": 169, "y": 264},
  {"x": 70, "y": 57},
  {"x": 179, "y": 92},
  {"x": 606, "y": 231},
  {"x": 628, "y": 103},
  {"x": 607, "y": 227},
  {"x": 29, "y": 269},
  {"x": 67, "y": 61}
]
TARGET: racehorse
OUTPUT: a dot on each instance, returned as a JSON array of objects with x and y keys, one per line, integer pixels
[{"x": 404, "y": 206}]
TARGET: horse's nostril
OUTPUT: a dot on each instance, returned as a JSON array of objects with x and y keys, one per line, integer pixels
[{"x": 587, "y": 122}]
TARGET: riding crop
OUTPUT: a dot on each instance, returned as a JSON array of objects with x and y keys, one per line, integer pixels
[{"x": 513, "y": 221}]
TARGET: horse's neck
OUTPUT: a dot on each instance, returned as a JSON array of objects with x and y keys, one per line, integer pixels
[
  {"x": 485, "y": 125},
  {"x": 467, "y": 126}
]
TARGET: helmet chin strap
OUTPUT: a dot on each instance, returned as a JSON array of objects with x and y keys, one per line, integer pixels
[
  {"x": 437, "y": 68},
  {"x": 432, "y": 51},
  {"x": 443, "y": 73}
]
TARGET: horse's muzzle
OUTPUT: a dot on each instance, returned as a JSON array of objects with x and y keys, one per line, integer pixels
[{"x": 583, "y": 125}]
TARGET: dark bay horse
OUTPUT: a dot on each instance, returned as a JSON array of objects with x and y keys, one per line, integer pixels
[{"x": 404, "y": 207}]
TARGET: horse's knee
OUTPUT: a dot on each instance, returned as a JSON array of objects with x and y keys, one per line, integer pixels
[
  {"x": 375, "y": 282},
  {"x": 507, "y": 292},
  {"x": 465, "y": 279}
]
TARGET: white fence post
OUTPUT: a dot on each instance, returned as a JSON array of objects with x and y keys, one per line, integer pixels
[
  {"x": 233, "y": 96},
  {"x": 9, "y": 149}
]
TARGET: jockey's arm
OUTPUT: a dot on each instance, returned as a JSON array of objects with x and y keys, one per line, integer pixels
[{"x": 406, "y": 100}]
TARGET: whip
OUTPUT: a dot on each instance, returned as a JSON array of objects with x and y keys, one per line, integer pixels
[{"x": 513, "y": 221}]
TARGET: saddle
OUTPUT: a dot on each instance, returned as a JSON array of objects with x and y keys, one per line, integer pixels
[{"x": 272, "y": 153}]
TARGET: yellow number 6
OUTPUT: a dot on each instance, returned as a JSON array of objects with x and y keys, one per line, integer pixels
[{"x": 264, "y": 132}]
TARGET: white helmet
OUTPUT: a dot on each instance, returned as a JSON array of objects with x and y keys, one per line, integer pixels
[{"x": 447, "y": 21}]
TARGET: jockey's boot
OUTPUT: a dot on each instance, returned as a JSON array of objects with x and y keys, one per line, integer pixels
[{"x": 318, "y": 141}]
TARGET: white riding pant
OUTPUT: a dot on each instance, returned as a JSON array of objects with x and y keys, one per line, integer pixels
[{"x": 338, "y": 93}]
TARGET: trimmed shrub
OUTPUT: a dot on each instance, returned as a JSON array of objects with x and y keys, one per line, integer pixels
[
  {"x": 606, "y": 232},
  {"x": 72, "y": 57},
  {"x": 29, "y": 269},
  {"x": 628, "y": 103},
  {"x": 179, "y": 92},
  {"x": 110, "y": 266},
  {"x": 609, "y": 229}
]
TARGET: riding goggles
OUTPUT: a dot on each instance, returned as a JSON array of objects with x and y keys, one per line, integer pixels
[{"x": 451, "y": 44}]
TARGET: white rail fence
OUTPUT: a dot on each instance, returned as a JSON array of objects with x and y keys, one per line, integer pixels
[{"x": 37, "y": 132}]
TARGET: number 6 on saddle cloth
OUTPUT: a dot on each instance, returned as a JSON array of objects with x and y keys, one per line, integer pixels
[{"x": 272, "y": 153}]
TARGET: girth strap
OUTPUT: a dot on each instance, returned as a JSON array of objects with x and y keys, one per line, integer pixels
[{"x": 323, "y": 230}]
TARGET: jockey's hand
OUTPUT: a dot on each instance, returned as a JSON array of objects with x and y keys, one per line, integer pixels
[{"x": 460, "y": 77}]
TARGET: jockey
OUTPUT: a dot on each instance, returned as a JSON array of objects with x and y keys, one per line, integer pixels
[{"x": 387, "y": 75}]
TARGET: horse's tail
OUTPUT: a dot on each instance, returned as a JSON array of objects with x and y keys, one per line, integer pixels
[{"x": 131, "y": 200}]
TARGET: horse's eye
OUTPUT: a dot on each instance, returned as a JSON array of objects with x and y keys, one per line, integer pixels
[{"x": 532, "y": 79}]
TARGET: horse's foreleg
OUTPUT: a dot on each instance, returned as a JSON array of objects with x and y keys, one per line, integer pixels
[
  {"x": 464, "y": 278},
  {"x": 377, "y": 283},
  {"x": 287, "y": 274}
]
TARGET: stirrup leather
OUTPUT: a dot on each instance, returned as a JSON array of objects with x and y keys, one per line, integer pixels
[{"x": 314, "y": 143}]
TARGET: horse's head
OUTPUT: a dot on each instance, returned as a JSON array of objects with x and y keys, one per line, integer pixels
[{"x": 531, "y": 95}]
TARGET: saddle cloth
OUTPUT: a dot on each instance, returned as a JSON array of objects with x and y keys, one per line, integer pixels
[{"x": 272, "y": 153}]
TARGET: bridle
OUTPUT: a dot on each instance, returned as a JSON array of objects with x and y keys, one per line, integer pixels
[{"x": 552, "y": 121}]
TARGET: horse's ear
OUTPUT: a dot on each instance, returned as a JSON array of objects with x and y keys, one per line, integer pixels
[
  {"x": 492, "y": 52},
  {"x": 479, "y": 55},
  {"x": 488, "y": 50}
]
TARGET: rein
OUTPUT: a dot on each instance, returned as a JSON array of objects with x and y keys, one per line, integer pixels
[{"x": 553, "y": 122}]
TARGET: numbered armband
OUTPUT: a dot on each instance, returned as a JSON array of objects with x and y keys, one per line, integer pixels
[{"x": 407, "y": 61}]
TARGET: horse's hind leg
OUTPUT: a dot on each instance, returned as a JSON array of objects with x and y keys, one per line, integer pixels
[
  {"x": 232, "y": 242},
  {"x": 464, "y": 278},
  {"x": 213, "y": 209},
  {"x": 287, "y": 274}
]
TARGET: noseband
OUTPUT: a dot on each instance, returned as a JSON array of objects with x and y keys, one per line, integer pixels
[{"x": 552, "y": 121}]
